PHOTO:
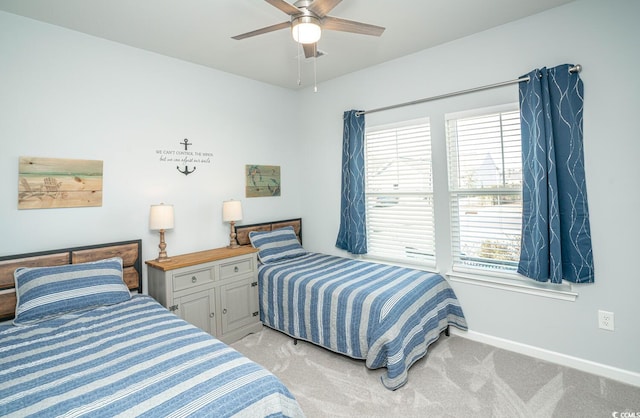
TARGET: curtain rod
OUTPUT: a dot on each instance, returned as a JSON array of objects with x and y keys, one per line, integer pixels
[{"x": 575, "y": 69}]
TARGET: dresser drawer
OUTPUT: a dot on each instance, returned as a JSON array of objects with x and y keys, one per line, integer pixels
[
  {"x": 191, "y": 279},
  {"x": 236, "y": 268}
]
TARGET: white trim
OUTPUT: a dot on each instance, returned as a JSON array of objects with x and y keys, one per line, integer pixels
[
  {"x": 562, "y": 293},
  {"x": 425, "y": 120},
  {"x": 610, "y": 372}
]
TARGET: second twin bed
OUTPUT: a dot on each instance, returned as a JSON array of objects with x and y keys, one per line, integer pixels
[{"x": 386, "y": 315}]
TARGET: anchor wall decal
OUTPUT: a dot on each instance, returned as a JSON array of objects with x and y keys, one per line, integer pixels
[{"x": 186, "y": 171}]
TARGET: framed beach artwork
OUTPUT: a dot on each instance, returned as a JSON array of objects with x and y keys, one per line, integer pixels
[
  {"x": 262, "y": 180},
  {"x": 59, "y": 183}
]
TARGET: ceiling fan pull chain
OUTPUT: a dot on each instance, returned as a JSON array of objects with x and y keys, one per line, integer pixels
[
  {"x": 298, "y": 47},
  {"x": 315, "y": 60}
]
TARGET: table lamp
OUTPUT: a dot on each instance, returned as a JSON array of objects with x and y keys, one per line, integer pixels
[
  {"x": 161, "y": 219},
  {"x": 232, "y": 212}
]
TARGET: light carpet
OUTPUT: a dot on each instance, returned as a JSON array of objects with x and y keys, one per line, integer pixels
[{"x": 458, "y": 378}]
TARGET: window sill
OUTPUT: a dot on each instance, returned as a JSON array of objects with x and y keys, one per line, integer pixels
[{"x": 512, "y": 283}]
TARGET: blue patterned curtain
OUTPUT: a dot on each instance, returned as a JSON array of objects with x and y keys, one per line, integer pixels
[
  {"x": 556, "y": 237},
  {"x": 353, "y": 235}
]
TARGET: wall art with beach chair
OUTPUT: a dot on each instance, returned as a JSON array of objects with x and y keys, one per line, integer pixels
[{"x": 59, "y": 183}]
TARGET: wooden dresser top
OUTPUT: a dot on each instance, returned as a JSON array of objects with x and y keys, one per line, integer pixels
[{"x": 200, "y": 257}]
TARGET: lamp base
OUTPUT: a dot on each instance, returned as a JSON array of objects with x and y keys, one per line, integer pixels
[
  {"x": 233, "y": 243},
  {"x": 162, "y": 255}
]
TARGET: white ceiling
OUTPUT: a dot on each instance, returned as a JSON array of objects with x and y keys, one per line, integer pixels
[{"x": 200, "y": 31}]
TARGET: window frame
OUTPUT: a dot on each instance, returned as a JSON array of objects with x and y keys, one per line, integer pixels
[
  {"x": 457, "y": 192},
  {"x": 428, "y": 260}
]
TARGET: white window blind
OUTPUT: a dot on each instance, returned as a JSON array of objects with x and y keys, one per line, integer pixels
[
  {"x": 485, "y": 183},
  {"x": 399, "y": 192}
]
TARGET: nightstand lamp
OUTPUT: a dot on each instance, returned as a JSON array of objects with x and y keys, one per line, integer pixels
[
  {"x": 161, "y": 219},
  {"x": 232, "y": 212}
]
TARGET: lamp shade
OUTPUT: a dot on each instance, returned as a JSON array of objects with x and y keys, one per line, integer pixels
[
  {"x": 231, "y": 211},
  {"x": 161, "y": 217},
  {"x": 306, "y": 30}
]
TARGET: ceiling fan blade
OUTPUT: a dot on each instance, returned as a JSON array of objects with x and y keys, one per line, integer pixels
[
  {"x": 322, "y": 7},
  {"x": 267, "y": 29},
  {"x": 288, "y": 8},
  {"x": 310, "y": 50},
  {"x": 343, "y": 25}
]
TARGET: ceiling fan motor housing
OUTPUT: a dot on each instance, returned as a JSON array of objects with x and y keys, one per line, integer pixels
[{"x": 303, "y": 3}]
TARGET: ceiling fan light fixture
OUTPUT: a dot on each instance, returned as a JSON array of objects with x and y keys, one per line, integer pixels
[{"x": 306, "y": 30}]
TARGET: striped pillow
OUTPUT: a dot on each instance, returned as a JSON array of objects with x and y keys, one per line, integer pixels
[
  {"x": 276, "y": 245},
  {"x": 47, "y": 292}
]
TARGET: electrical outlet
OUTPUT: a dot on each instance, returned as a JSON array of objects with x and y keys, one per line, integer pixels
[{"x": 605, "y": 320}]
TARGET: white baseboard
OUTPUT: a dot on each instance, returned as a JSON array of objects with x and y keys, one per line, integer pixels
[{"x": 621, "y": 375}]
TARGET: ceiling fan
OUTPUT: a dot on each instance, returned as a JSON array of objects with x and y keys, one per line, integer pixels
[{"x": 308, "y": 18}]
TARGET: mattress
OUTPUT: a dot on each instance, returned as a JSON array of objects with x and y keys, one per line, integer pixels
[
  {"x": 133, "y": 358},
  {"x": 386, "y": 315}
]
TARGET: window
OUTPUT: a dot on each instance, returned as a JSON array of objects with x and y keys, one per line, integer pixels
[
  {"x": 485, "y": 183},
  {"x": 479, "y": 242},
  {"x": 399, "y": 192}
]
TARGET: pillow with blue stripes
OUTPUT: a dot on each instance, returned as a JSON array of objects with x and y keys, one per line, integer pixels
[
  {"x": 44, "y": 293},
  {"x": 276, "y": 245}
]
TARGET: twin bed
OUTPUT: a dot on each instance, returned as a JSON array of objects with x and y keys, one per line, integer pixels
[
  {"x": 81, "y": 344},
  {"x": 84, "y": 346},
  {"x": 386, "y": 315}
]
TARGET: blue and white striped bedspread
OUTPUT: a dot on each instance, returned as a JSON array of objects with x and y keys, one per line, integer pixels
[
  {"x": 386, "y": 315},
  {"x": 134, "y": 358}
]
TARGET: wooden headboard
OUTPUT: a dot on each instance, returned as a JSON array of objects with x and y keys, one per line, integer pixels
[
  {"x": 129, "y": 251},
  {"x": 242, "y": 231}
]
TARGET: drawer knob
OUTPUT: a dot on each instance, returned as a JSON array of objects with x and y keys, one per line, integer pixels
[
  {"x": 224, "y": 311},
  {"x": 211, "y": 315},
  {"x": 236, "y": 269},
  {"x": 194, "y": 279}
]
